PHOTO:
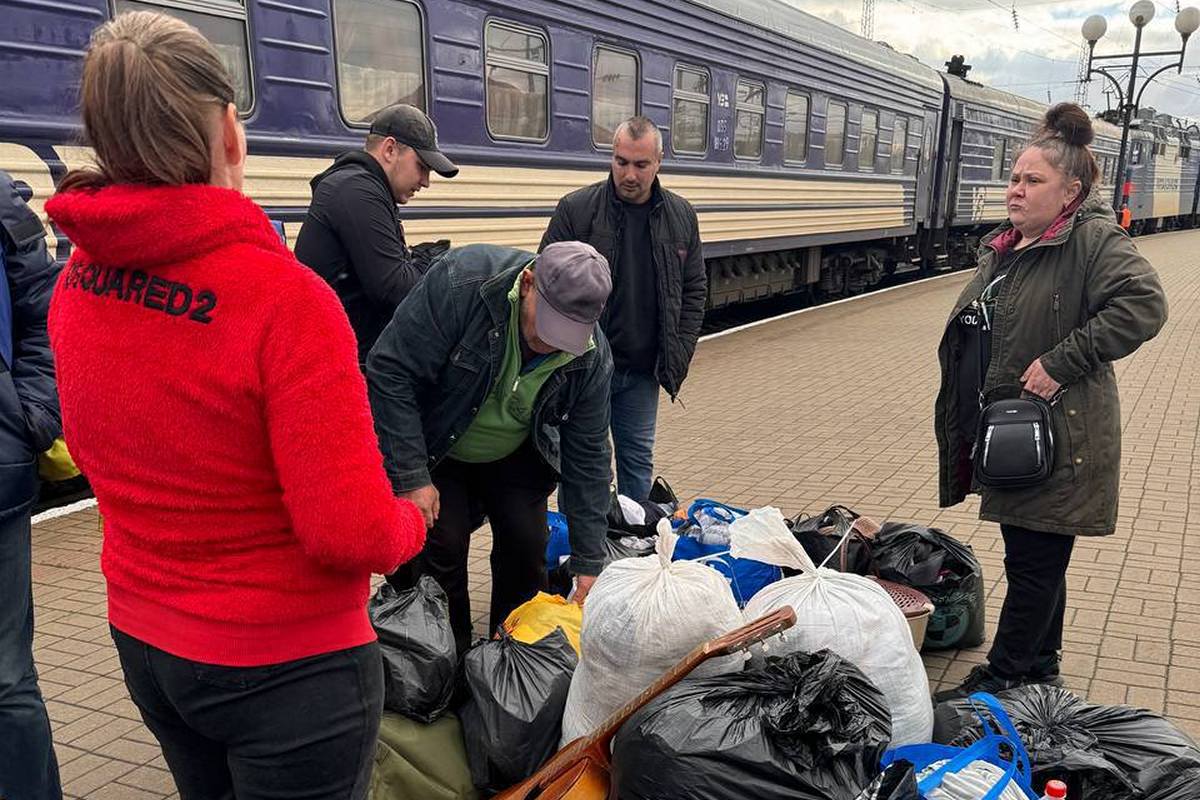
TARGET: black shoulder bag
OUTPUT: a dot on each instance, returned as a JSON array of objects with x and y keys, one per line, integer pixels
[{"x": 1014, "y": 445}]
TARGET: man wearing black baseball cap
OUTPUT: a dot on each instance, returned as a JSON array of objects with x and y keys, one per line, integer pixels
[{"x": 352, "y": 235}]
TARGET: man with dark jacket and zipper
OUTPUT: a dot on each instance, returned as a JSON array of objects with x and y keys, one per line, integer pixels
[
  {"x": 490, "y": 387},
  {"x": 29, "y": 422},
  {"x": 352, "y": 235},
  {"x": 651, "y": 239}
]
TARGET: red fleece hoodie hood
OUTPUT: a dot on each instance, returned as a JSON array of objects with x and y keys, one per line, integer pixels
[{"x": 141, "y": 227}]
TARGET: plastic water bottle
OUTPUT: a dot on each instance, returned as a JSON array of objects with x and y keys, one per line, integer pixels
[{"x": 1055, "y": 790}]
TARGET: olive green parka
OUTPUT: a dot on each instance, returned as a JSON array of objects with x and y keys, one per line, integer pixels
[{"x": 1079, "y": 298}]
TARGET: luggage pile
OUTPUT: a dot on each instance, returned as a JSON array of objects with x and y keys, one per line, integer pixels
[{"x": 727, "y": 653}]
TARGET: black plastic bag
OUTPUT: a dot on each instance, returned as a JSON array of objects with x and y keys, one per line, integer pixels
[
  {"x": 942, "y": 568},
  {"x": 821, "y": 537},
  {"x": 419, "y": 656},
  {"x": 897, "y": 782},
  {"x": 424, "y": 255},
  {"x": 806, "y": 726},
  {"x": 660, "y": 503},
  {"x": 1098, "y": 751},
  {"x": 513, "y": 721}
]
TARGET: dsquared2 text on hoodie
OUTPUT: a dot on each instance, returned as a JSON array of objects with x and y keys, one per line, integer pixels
[{"x": 136, "y": 286}]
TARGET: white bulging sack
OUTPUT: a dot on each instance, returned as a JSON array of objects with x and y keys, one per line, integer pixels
[
  {"x": 848, "y": 614},
  {"x": 642, "y": 616}
]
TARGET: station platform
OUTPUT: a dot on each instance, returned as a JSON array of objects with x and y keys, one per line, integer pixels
[{"x": 830, "y": 405}]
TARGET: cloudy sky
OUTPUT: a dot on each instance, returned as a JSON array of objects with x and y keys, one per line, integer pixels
[{"x": 1039, "y": 54}]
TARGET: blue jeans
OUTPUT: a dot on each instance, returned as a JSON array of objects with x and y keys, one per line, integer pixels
[
  {"x": 28, "y": 767},
  {"x": 634, "y": 415}
]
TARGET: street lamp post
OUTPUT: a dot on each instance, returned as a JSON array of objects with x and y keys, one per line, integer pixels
[{"x": 1140, "y": 14}]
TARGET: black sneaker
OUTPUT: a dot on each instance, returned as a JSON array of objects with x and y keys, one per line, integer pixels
[
  {"x": 1046, "y": 670},
  {"x": 982, "y": 679},
  {"x": 979, "y": 679}
]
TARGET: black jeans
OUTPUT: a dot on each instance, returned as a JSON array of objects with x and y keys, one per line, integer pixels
[
  {"x": 28, "y": 769},
  {"x": 512, "y": 494},
  {"x": 300, "y": 729},
  {"x": 1030, "y": 629}
]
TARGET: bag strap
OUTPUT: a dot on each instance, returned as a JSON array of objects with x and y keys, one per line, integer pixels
[
  {"x": 986, "y": 749},
  {"x": 723, "y": 512},
  {"x": 1005, "y": 723},
  {"x": 983, "y": 396}
]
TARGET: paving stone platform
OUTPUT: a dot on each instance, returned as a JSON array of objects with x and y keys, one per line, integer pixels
[{"x": 830, "y": 405}]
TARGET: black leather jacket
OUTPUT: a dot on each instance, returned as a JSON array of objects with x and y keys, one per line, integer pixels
[{"x": 593, "y": 215}]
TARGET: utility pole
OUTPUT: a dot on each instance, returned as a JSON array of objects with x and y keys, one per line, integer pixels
[
  {"x": 1082, "y": 83},
  {"x": 868, "y": 19}
]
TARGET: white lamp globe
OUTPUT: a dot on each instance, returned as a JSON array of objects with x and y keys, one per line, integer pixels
[
  {"x": 1094, "y": 28},
  {"x": 1141, "y": 12},
  {"x": 1188, "y": 21}
]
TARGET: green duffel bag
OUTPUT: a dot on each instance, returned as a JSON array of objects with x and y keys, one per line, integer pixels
[{"x": 414, "y": 761}]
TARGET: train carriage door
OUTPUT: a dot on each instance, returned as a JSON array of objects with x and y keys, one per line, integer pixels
[
  {"x": 954, "y": 163},
  {"x": 925, "y": 132}
]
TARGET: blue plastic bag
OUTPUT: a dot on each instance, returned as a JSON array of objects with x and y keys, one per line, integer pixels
[
  {"x": 558, "y": 544},
  {"x": 745, "y": 576},
  {"x": 1001, "y": 746}
]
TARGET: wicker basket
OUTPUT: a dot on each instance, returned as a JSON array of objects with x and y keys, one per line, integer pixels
[{"x": 915, "y": 606}]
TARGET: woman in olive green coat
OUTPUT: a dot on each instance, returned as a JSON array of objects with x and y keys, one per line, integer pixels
[{"x": 1059, "y": 293}]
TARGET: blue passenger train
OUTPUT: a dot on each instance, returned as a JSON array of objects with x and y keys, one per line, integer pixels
[{"x": 816, "y": 159}]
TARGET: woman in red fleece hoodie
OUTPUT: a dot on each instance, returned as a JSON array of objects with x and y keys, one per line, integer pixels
[{"x": 211, "y": 392}]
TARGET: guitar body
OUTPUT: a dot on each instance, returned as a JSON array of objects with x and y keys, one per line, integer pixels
[{"x": 587, "y": 778}]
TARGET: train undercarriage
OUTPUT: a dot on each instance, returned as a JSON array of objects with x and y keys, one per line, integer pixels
[{"x": 845, "y": 270}]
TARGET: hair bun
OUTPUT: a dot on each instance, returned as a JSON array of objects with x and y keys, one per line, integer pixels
[{"x": 1068, "y": 122}]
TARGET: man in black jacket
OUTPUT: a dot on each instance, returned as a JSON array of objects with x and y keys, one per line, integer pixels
[
  {"x": 29, "y": 423},
  {"x": 652, "y": 242},
  {"x": 352, "y": 235}
]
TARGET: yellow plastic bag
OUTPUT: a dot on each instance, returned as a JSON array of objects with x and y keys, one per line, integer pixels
[
  {"x": 537, "y": 618},
  {"x": 56, "y": 463}
]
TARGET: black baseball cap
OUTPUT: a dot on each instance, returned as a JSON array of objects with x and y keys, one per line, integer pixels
[{"x": 411, "y": 126}]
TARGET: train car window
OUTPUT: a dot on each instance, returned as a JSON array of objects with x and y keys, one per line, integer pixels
[
  {"x": 868, "y": 140},
  {"x": 615, "y": 84},
  {"x": 380, "y": 56},
  {"x": 835, "y": 134},
  {"x": 689, "y": 117},
  {"x": 518, "y": 77},
  {"x": 795, "y": 127},
  {"x": 748, "y": 125},
  {"x": 998, "y": 148},
  {"x": 223, "y": 24},
  {"x": 916, "y": 133},
  {"x": 1135, "y": 153},
  {"x": 899, "y": 143},
  {"x": 1010, "y": 151}
]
